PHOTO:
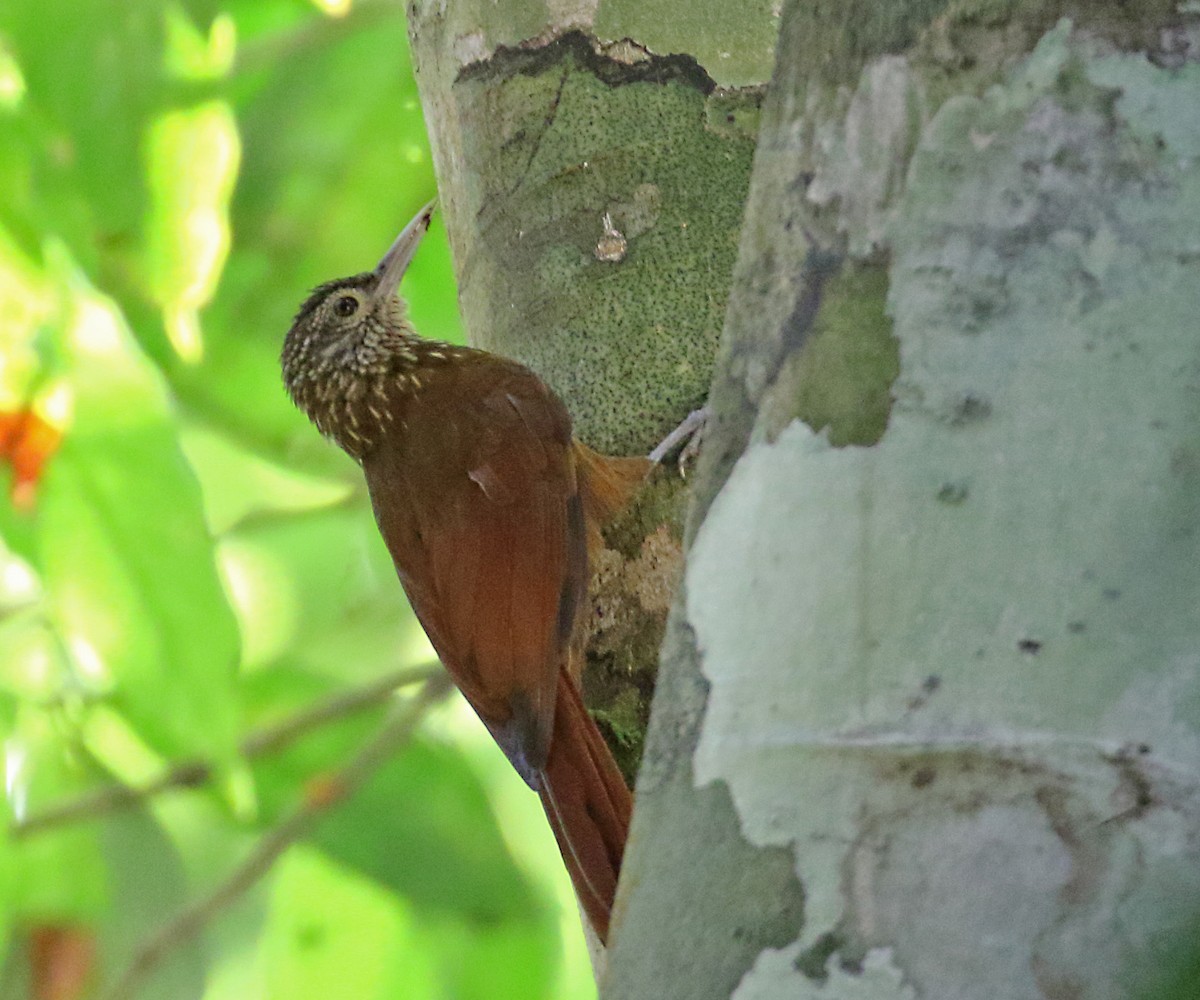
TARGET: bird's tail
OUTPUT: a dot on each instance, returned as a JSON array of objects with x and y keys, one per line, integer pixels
[
  {"x": 607, "y": 485},
  {"x": 588, "y": 805}
]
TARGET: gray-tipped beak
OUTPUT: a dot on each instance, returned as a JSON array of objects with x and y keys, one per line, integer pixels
[{"x": 395, "y": 262}]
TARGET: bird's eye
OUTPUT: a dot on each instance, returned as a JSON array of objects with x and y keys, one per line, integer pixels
[{"x": 345, "y": 306}]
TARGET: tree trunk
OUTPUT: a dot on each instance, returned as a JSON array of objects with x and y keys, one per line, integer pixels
[
  {"x": 543, "y": 123},
  {"x": 928, "y": 720},
  {"x": 928, "y": 723},
  {"x": 593, "y": 167}
]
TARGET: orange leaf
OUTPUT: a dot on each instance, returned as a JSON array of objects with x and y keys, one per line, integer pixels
[{"x": 26, "y": 443}]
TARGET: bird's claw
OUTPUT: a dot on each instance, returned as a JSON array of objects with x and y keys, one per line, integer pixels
[{"x": 687, "y": 437}]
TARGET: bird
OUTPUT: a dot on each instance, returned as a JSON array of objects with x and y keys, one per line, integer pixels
[{"x": 489, "y": 507}]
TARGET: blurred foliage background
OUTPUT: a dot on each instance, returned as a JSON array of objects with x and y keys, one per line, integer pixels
[{"x": 183, "y": 561}]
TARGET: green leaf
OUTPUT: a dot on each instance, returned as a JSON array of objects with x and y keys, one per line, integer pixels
[
  {"x": 270, "y": 22},
  {"x": 58, "y": 876},
  {"x": 119, "y": 543},
  {"x": 91, "y": 84},
  {"x": 423, "y": 827},
  {"x": 8, "y": 714},
  {"x": 321, "y": 585},
  {"x": 274, "y": 695},
  {"x": 148, "y": 889},
  {"x": 333, "y": 933},
  {"x": 509, "y": 961},
  {"x": 238, "y": 484},
  {"x": 191, "y": 163},
  {"x": 121, "y": 880}
]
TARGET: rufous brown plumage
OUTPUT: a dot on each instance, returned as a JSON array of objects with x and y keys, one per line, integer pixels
[{"x": 487, "y": 505}]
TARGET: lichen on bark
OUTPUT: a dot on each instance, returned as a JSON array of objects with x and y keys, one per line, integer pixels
[{"x": 977, "y": 630}]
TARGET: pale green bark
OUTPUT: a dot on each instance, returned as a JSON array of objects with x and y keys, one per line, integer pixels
[{"x": 946, "y": 661}]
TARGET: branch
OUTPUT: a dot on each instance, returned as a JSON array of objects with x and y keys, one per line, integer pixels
[
  {"x": 392, "y": 734},
  {"x": 191, "y": 773}
]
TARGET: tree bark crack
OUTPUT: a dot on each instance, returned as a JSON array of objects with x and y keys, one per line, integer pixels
[{"x": 535, "y": 56}]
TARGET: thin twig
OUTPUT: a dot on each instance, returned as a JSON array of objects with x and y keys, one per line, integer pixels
[
  {"x": 191, "y": 773},
  {"x": 270, "y": 738},
  {"x": 394, "y": 733}
]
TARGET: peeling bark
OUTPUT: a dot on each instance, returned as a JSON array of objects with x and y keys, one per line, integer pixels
[{"x": 948, "y": 656}]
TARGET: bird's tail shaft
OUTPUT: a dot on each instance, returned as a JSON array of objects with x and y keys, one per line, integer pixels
[{"x": 588, "y": 805}]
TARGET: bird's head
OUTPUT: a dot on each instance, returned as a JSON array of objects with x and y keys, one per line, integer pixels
[
  {"x": 352, "y": 330},
  {"x": 349, "y": 338}
]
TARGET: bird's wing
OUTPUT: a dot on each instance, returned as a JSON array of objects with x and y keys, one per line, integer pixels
[{"x": 479, "y": 505}]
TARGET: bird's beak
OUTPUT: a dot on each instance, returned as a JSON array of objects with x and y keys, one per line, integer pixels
[{"x": 395, "y": 262}]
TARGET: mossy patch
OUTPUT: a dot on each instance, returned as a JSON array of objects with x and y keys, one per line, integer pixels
[
  {"x": 841, "y": 377},
  {"x": 634, "y": 580},
  {"x": 735, "y": 113},
  {"x": 555, "y": 139}
]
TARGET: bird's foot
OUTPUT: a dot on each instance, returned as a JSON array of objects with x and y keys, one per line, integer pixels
[{"x": 687, "y": 437}]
